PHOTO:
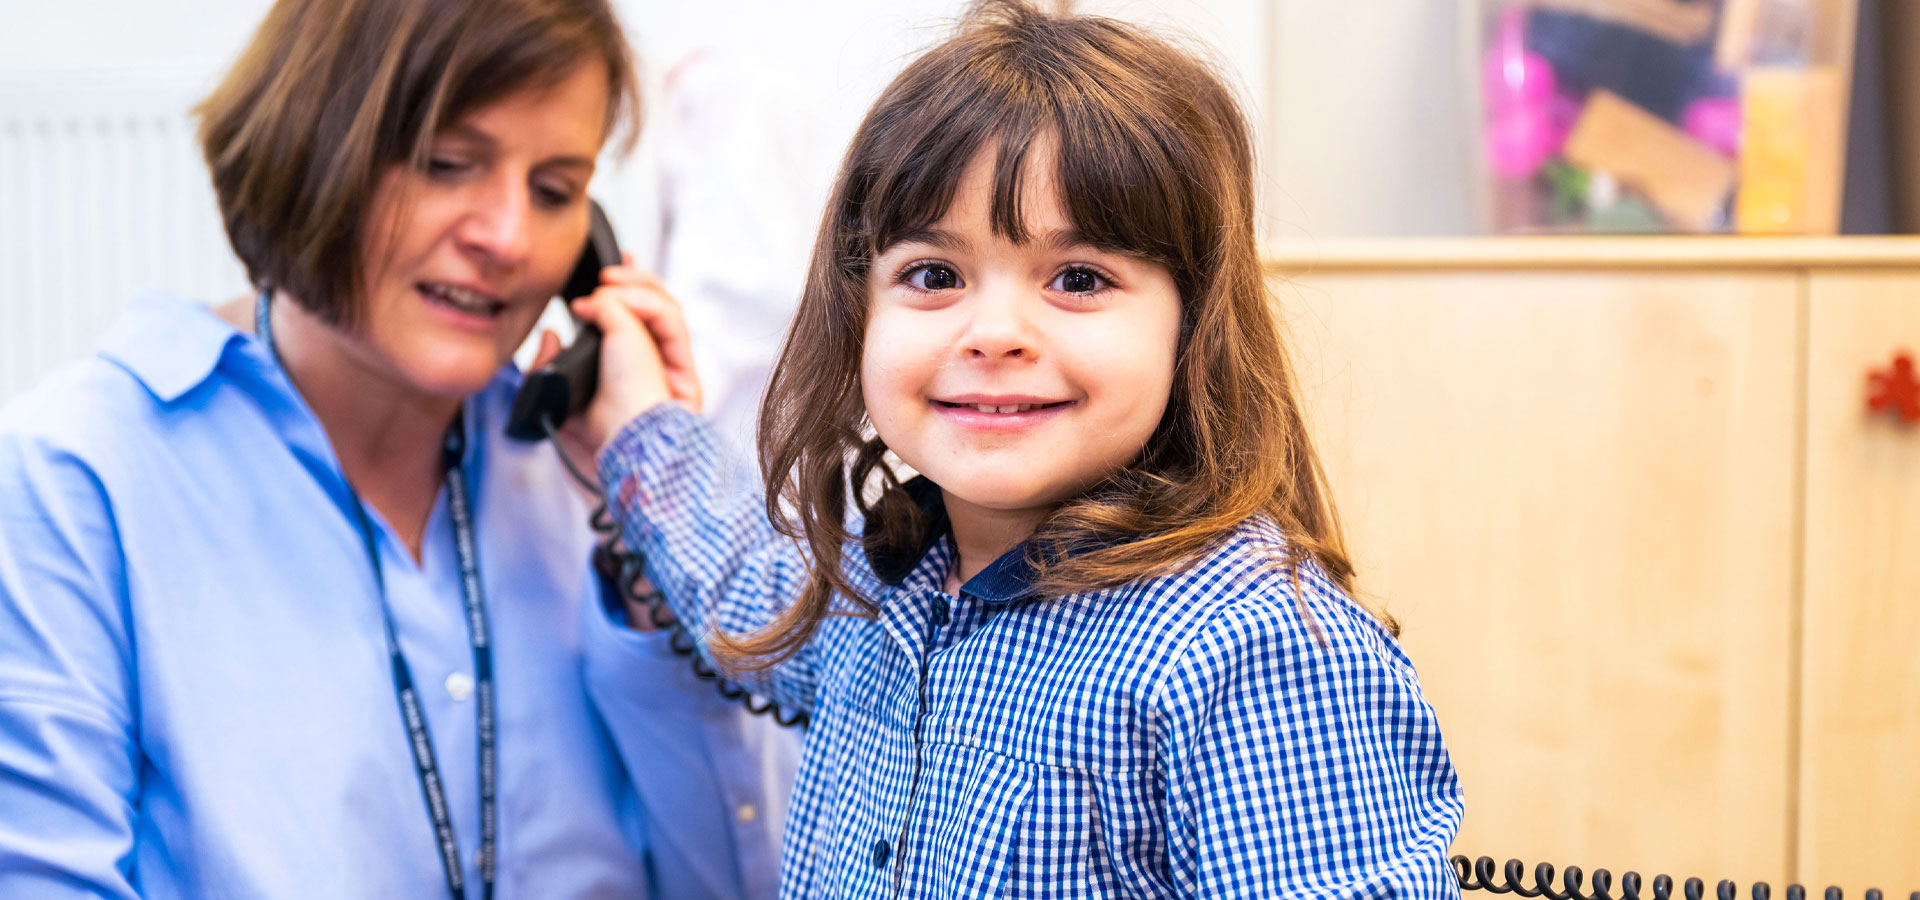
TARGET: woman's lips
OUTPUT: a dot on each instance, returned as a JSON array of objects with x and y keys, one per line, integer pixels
[
  {"x": 465, "y": 309},
  {"x": 464, "y": 298}
]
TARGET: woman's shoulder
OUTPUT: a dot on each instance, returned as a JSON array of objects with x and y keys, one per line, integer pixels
[
  {"x": 85, "y": 407},
  {"x": 128, "y": 396}
]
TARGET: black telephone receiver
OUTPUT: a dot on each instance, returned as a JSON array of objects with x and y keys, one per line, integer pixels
[
  {"x": 558, "y": 391},
  {"x": 562, "y": 388}
]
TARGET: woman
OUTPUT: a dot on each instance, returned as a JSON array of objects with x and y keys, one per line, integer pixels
[{"x": 282, "y": 613}]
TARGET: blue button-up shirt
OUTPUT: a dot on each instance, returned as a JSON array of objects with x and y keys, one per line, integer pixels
[
  {"x": 1223, "y": 730},
  {"x": 195, "y": 696}
]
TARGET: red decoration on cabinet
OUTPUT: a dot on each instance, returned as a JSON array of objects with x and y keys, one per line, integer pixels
[{"x": 1895, "y": 390}]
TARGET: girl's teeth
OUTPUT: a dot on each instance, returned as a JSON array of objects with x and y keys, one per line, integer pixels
[{"x": 1018, "y": 407}]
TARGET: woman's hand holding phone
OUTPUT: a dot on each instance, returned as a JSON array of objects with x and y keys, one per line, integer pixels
[{"x": 646, "y": 357}]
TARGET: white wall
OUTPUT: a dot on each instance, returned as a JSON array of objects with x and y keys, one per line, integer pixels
[
  {"x": 86, "y": 35},
  {"x": 1368, "y": 128}
]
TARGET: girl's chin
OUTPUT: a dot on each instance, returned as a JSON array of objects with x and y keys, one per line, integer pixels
[{"x": 1006, "y": 496}]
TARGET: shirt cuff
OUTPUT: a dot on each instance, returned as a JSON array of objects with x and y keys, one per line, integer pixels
[{"x": 640, "y": 440}]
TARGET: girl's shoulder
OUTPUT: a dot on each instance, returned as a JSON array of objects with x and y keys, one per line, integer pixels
[
  {"x": 1249, "y": 594},
  {"x": 1247, "y": 626}
]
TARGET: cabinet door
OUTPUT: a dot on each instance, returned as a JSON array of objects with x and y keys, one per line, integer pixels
[
  {"x": 1576, "y": 491},
  {"x": 1860, "y": 735}
]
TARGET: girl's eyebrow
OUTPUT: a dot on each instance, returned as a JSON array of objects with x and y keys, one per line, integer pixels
[
  {"x": 1061, "y": 239},
  {"x": 1057, "y": 240},
  {"x": 939, "y": 238}
]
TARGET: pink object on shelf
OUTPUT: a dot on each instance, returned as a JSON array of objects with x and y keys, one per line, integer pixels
[
  {"x": 1715, "y": 122},
  {"x": 1514, "y": 76},
  {"x": 1518, "y": 144},
  {"x": 1521, "y": 94}
]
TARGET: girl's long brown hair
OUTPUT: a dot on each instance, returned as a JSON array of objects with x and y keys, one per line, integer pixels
[{"x": 1153, "y": 157}]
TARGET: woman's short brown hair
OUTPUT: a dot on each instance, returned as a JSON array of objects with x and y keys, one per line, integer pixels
[
  {"x": 1153, "y": 157},
  {"x": 331, "y": 92}
]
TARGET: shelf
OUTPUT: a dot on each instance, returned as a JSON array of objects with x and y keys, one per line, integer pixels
[{"x": 1293, "y": 257}]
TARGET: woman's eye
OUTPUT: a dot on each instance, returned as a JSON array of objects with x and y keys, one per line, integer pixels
[
  {"x": 443, "y": 166},
  {"x": 552, "y": 197},
  {"x": 1079, "y": 281},
  {"x": 933, "y": 278}
]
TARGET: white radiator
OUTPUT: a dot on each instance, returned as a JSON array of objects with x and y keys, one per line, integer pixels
[{"x": 102, "y": 194}]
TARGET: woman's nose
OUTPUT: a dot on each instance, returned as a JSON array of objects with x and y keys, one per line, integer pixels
[{"x": 497, "y": 225}]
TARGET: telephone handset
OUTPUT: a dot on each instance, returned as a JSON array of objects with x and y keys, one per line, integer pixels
[
  {"x": 559, "y": 390},
  {"x": 562, "y": 388}
]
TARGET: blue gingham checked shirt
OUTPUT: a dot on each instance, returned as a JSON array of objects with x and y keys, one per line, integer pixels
[{"x": 1189, "y": 735}]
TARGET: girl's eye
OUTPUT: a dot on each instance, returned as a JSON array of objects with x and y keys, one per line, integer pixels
[
  {"x": 1079, "y": 281},
  {"x": 932, "y": 277}
]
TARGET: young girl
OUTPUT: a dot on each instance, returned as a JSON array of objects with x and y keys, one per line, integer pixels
[{"x": 1104, "y": 644}]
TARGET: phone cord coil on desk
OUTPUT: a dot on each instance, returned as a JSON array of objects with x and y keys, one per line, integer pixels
[
  {"x": 1479, "y": 876},
  {"x": 624, "y": 569}
]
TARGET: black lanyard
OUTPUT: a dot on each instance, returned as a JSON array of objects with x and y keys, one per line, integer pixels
[{"x": 418, "y": 738}]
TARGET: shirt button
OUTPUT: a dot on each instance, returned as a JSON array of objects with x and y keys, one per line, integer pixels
[
  {"x": 459, "y": 685},
  {"x": 746, "y": 812},
  {"x": 939, "y": 612},
  {"x": 880, "y": 852}
]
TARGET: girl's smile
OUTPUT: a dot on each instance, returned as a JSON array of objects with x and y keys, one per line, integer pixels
[{"x": 998, "y": 412}]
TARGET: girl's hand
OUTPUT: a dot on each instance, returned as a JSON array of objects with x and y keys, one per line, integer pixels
[{"x": 646, "y": 357}]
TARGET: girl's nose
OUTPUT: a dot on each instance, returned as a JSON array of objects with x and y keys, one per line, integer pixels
[{"x": 999, "y": 328}]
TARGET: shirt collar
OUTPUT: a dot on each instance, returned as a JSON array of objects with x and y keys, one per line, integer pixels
[
  {"x": 1007, "y": 580},
  {"x": 169, "y": 344}
]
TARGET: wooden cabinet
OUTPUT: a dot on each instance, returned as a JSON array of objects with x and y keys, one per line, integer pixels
[
  {"x": 1583, "y": 473},
  {"x": 1859, "y": 797}
]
